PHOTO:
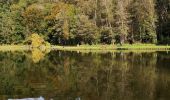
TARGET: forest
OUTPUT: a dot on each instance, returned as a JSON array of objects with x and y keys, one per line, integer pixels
[{"x": 73, "y": 22}]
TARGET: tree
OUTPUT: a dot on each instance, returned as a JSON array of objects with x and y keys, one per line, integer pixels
[
  {"x": 6, "y": 22},
  {"x": 71, "y": 22},
  {"x": 86, "y": 31},
  {"x": 106, "y": 36},
  {"x": 33, "y": 18},
  {"x": 121, "y": 20},
  {"x": 163, "y": 11},
  {"x": 58, "y": 23},
  {"x": 145, "y": 20},
  {"x": 36, "y": 40},
  {"x": 18, "y": 28}
]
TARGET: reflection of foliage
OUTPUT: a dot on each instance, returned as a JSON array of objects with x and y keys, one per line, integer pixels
[
  {"x": 87, "y": 75},
  {"x": 37, "y": 55}
]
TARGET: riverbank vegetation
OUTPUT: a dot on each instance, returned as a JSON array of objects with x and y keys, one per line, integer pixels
[
  {"x": 113, "y": 47},
  {"x": 100, "y": 48},
  {"x": 85, "y": 22}
]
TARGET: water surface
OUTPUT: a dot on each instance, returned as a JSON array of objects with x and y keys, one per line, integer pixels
[{"x": 59, "y": 75}]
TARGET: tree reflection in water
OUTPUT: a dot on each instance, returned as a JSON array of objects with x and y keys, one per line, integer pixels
[{"x": 86, "y": 76}]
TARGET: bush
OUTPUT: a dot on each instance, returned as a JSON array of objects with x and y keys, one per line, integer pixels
[
  {"x": 36, "y": 40},
  {"x": 106, "y": 36}
]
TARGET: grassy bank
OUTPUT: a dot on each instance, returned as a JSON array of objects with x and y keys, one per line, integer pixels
[
  {"x": 14, "y": 47},
  {"x": 91, "y": 47},
  {"x": 113, "y": 47}
]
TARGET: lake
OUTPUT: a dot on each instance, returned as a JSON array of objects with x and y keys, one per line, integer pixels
[{"x": 64, "y": 75}]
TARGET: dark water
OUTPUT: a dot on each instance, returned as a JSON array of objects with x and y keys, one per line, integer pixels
[{"x": 85, "y": 76}]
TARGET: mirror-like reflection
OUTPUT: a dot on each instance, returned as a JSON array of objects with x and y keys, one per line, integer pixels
[{"x": 61, "y": 75}]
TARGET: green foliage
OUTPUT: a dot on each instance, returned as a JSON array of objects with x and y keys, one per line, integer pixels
[
  {"x": 106, "y": 36},
  {"x": 58, "y": 23},
  {"x": 72, "y": 22},
  {"x": 145, "y": 20},
  {"x": 33, "y": 17},
  {"x": 122, "y": 21},
  {"x": 86, "y": 32},
  {"x": 18, "y": 26},
  {"x": 163, "y": 30},
  {"x": 12, "y": 28}
]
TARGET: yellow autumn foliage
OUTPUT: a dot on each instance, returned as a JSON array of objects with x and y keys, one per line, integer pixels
[
  {"x": 36, "y": 40},
  {"x": 37, "y": 55},
  {"x": 66, "y": 29}
]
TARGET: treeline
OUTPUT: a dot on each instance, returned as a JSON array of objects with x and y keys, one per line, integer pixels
[{"x": 72, "y": 22}]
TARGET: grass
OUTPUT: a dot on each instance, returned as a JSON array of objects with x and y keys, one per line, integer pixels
[
  {"x": 14, "y": 47},
  {"x": 114, "y": 47},
  {"x": 91, "y": 47}
]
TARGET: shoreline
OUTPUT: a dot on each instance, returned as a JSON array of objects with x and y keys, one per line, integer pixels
[
  {"x": 113, "y": 47},
  {"x": 148, "y": 47},
  {"x": 14, "y": 47}
]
